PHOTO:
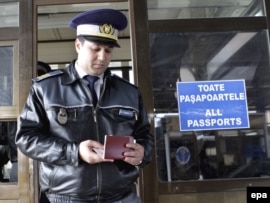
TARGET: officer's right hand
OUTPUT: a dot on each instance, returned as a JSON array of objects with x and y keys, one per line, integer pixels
[{"x": 87, "y": 154}]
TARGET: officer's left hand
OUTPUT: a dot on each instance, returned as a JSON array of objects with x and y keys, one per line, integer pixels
[{"x": 135, "y": 155}]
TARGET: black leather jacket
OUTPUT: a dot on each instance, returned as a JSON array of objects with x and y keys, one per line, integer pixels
[{"x": 59, "y": 114}]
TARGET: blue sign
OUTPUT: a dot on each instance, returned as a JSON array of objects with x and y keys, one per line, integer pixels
[
  {"x": 182, "y": 155},
  {"x": 209, "y": 105}
]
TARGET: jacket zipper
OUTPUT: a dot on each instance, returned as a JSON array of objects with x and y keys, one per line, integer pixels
[
  {"x": 102, "y": 92},
  {"x": 98, "y": 167},
  {"x": 95, "y": 115},
  {"x": 96, "y": 121}
]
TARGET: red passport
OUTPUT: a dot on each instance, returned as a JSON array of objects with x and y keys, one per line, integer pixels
[{"x": 114, "y": 146}]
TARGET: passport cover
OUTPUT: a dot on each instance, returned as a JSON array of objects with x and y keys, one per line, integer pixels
[{"x": 114, "y": 146}]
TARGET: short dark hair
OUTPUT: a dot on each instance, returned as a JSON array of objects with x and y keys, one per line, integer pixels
[
  {"x": 81, "y": 39},
  {"x": 43, "y": 68}
]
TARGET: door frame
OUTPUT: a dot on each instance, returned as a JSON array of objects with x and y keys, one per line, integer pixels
[
  {"x": 20, "y": 191},
  {"x": 142, "y": 75}
]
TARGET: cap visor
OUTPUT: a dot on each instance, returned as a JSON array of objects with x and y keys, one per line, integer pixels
[{"x": 102, "y": 40}]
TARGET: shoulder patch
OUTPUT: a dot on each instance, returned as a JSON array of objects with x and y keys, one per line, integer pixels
[{"x": 48, "y": 75}]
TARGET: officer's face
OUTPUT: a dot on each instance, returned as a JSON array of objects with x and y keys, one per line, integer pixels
[{"x": 93, "y": 58}]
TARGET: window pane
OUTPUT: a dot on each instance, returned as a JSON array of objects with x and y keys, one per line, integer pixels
[
  {"x": 160, "y": 9},
  {"x": 205, "y": 56},
  {"x": 9, "y": 14},
  {"x": 6, "y": 75}
]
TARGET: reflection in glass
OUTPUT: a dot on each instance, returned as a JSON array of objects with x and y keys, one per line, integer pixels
[
  {"x": 213, "y": 154},
  {"x": 185, "y": 9},
  {"x": 8, "y": 152},
  {"x": 9, "y": 14},
  {"x": 6, "y": 75}
]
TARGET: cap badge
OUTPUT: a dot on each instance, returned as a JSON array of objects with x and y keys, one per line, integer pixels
[{"x": 106, "y": 29}]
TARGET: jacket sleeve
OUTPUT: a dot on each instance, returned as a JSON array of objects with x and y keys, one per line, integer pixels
[
  {"x": 33, "y": 136},
  {"x": 143, "y": 134}
]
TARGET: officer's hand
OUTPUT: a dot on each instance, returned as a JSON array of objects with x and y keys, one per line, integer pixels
[
  {"x": 87, "y": 154},
  {"x": 135, "y": 155}
]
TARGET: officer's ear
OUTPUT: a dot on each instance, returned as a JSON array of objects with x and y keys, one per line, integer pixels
[{"x": 78, "y": 45}]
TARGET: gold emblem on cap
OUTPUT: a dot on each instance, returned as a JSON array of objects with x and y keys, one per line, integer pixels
[{"x": 106, "y": 29}]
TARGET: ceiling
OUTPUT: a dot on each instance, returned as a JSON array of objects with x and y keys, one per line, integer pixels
[
  {"x": 171, "y": 9},
  {"x": 56, "y": 39}
]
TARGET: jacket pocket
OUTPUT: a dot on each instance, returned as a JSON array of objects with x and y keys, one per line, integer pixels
[
  {"x": 118, "y": 121},
  {"x": 73, "y": 124}
]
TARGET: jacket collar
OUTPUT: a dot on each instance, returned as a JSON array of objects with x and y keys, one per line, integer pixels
[{"x": 70, "y": 74}]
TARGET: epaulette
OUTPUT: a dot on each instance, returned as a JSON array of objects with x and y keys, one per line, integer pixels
[{"x": 48, "y": 75}]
